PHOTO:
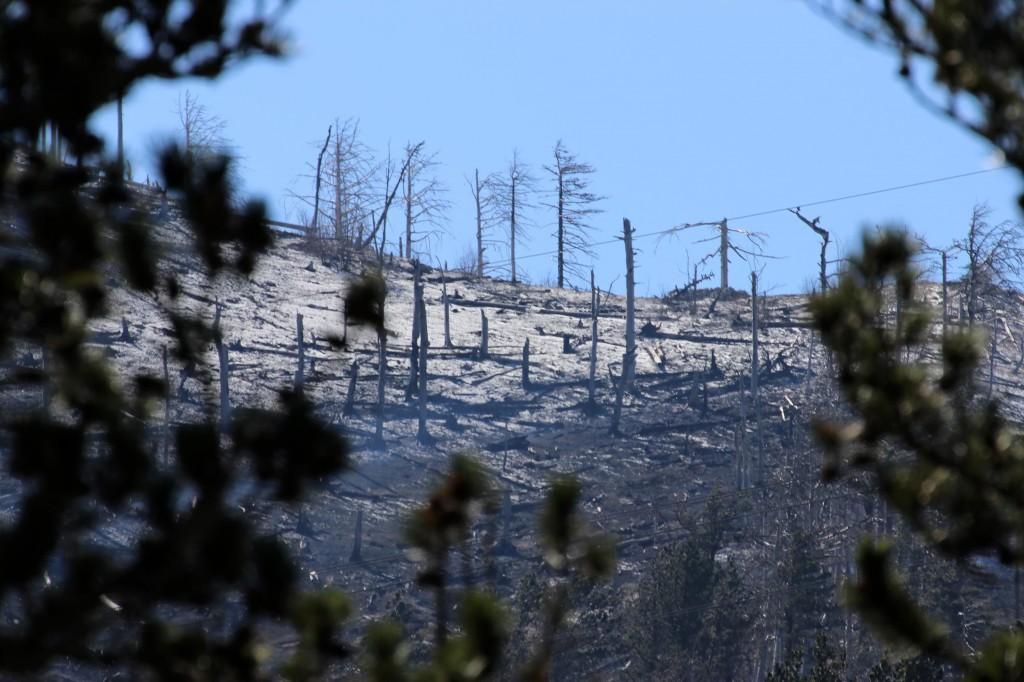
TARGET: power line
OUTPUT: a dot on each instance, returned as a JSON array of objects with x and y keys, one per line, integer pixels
[{"x": 781, "y": 209}]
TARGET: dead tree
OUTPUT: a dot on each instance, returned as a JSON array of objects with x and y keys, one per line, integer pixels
[
  {"x": 944, "y": 257},
  {"x": 629, "y": 357},
  {"x": 166, "y": 435},
  {"x": 483, "y": 200},
  {"x": 225, "y": 397},
  {"x": 350, "y": 397},
  {"x": 510, "y": 194},
  {"x": 393, "y": 181},
  {"x": 202, "y": 132},
  {"x": 483, "y": 335},
  {"x": 823, "y": 233},
  {"x": 300, "y": 370},
  {"x": 574, "y": 204},
  {"x": 753, "y": 248},
  {"x": 595, "y": 304},
  {"x": 120, "y": 136},
  {"x": 382, "y": 371},
  {"x": 315, "y": 225},
  {"x": 526, "y": 365},
  {"x": 422, "y": 435},
  {"x": 422, "y": 197},
  {"x": 447, "y": 307},
  {"x": 414, "y": 348},
  {"x": 995, "y": 263},
  {"x": 755, "y": 395}
]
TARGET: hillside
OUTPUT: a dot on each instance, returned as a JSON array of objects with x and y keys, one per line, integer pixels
[{"x": 688, "y": 425}]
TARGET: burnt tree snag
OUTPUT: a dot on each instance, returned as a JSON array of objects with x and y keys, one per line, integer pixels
[
  {"x": 629, "y": 357},
  {"x": 823, "y": 233}
]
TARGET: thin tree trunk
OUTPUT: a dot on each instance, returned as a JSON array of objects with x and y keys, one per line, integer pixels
[
  {"x": 479, "y": 225},
  {"x": 414, "y": 352},
  {"x": 382, "y": 370},
  {"x": 592, "y": 380},
  {"x": 483, "y": 335},
  {"x": 300, "y": 370},
  {"x": 447, "y": 308},
  {"x": 408, "y": 210},
  {"x": 629, "y": 357},
  {"x": 120, "y": 136},
  {"x": 350, "y": 397},
  {"x": 225, "y": 397},
  {"x": 316, "y": 191},
  {"x": 723, "y": 248},
  {"x": 561, "y": 230},
  {"x": 167, "y": 409},
  {"x": 754, "y": 374},
  {"x": 512, "y": 230},
  {"x": 422, "y": 435}
]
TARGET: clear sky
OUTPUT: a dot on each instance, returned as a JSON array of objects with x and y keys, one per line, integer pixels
[{"x": 690, "y": 111}]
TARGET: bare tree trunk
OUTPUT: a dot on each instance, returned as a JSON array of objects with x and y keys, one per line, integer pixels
[
  {"x": 477, "y": 189},
  {"x": 754, "y": 375},
  {"x": 225, "y": 398},
  {"x": 414, "y": 352},
  {"x": 422, "y": 435},
  {"x": 512, "y": 230},
  {"x": 723, "y": 247},
  {"x": 483, "y": 335},
  {"x": 167, "y": 409},
  {"x": 120, "y": 136},
  {"x": 350, "y": 397},
  {"x": 316, "y": 191},
  {"x": 561, "y": 230},
  {"x": 592, "y": 381},
  {"x": 382, "y": 370},
  {"x": 945, "y": 296},
  {"x": 447, "y": 307},
  {"x": 300, "y": 370},
  {"x": 630, "y": 355},
  {"x": 408, "y": 210}
]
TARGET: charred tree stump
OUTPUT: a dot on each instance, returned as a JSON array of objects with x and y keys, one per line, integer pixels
[
  {"x": 483, "y": 335},
  {"x": 225, "y": 397},
  {"x": 300, "y": 370},
  {"x": 422, "y": 435},
  {"x": 166, "y": 435},
  {"x": 350, "y": 397},
  {"x": 126, "y": 335},
  {"x": 566, "y": 344}
]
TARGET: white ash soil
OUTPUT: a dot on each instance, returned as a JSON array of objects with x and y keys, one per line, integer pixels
[{"x": 639, "y": 486}]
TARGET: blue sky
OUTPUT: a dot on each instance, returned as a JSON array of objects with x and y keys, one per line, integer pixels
[{"x": 690, "y": 111}]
